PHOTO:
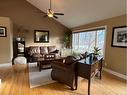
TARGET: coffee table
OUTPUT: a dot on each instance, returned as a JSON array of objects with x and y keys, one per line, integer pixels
[{"x": 45, "y": 63}]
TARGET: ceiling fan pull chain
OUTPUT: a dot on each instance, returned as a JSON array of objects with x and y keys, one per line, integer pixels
[{"x": 50, "y": 4}]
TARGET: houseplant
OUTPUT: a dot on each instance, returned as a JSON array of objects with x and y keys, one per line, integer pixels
[
  {"x": 96, "y": 52},
  {"x": 66, "y": 39}
]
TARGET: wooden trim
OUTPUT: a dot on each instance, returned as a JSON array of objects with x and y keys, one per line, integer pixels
[
  {"x": 88, "y": 30},
  {"x": 6, "y": 64},
  {"x": 115, "y": 73}
]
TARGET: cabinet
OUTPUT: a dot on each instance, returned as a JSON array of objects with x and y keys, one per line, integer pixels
[{"x": 19, "y": 48}]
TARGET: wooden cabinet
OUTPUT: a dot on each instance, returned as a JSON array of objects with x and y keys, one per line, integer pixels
[{"x": 19, "y": 48}]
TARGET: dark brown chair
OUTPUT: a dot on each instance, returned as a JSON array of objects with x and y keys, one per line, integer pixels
[{"x": 64, "y": 71}]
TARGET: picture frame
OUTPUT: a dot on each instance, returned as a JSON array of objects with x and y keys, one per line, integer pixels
[
  {"x": 119, "y": 37},
  {"x": 41, "y": 36},
  {"x": 3, "y": 32}
]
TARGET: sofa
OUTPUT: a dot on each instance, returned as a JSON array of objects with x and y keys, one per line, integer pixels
[{"x": 35, "y": 52}]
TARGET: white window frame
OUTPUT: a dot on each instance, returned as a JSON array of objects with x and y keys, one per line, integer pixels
[{"x": 95, "y": 28}]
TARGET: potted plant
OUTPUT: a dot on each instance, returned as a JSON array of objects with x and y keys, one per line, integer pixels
[
  {"x": 66, "y": 39},
  {"x": 96, "y": 52}
]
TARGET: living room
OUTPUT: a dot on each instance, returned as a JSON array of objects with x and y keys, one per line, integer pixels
[{"x": 21, "y": 18}]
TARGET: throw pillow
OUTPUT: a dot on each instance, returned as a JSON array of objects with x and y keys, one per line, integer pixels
[
  {"x": 51, "y": 49},
  {"x": 43, "y": 50},
  {"x": 34, "y": 50},
  {"x": 56, "y": 51}
]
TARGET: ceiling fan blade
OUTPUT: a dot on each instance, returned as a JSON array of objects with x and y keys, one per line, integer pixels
[
  {"x": 40, "y": 12},
  {"x": 55, "y": 16},
  {"x": 45, "y": 15},
  {"x": 58, "y": 13}
]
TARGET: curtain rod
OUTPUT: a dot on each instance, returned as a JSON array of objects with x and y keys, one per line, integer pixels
[{"x": 90, "y": 29}]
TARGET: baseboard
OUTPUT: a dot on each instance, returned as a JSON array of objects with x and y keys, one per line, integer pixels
[
  {"x": 5, "y": 64},
  {"x": 115, "y": 73}
]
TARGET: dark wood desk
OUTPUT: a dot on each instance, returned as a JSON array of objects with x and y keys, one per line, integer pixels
[{"x": 87, "y": 68}]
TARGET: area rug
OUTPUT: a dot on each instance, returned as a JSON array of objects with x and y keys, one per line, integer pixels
[{"x": 37, "y": 78}]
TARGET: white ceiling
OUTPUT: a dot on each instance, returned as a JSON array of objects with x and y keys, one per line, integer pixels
[{"x": 80, "y": 12}]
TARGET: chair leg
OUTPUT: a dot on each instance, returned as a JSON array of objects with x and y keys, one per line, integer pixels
[{"x": 72, "y": 89}]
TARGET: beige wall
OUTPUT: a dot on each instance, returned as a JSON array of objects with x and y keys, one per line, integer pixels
[
  {"x": 27, "y": 18},
  {"x": 6, "y": 42},
  {"x": 115, "y": 57}
]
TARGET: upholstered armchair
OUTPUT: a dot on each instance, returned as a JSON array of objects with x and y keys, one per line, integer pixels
[{"x": 64, "y": 71}]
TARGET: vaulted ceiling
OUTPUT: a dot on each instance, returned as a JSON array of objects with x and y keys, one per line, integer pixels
[{"x": 80, "y": 12}]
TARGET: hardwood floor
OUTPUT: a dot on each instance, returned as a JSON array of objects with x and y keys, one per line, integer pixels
[{"x": 16, "y": 82}]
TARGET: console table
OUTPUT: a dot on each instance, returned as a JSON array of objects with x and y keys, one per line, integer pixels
[{"x": 87, "y": 68}]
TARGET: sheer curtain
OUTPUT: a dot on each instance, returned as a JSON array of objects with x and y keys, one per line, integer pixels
[{"x": 87, "y": 40}]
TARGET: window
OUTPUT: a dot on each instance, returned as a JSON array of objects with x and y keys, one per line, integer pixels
[{"x": 87, "y": 40}]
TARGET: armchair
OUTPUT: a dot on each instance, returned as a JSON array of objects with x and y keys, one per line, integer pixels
[{"x": 64, "y": 71}]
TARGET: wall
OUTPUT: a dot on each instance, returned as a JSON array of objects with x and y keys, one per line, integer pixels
[
  {"x": 6, "y": 42},
  {"x": 26, "y": 18},
  {"x": 115, "y": 57}
]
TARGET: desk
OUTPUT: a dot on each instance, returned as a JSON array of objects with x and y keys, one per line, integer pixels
[{"x": 87, "y": 68}]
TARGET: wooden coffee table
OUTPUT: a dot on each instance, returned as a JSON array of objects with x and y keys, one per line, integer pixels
[{"x": 45, "y": 63}]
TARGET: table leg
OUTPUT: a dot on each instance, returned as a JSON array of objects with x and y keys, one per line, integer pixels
[
  {"x": 76, "y": 82},
  {"x": 39, "y": 66},
  {"x": 101, "y": 69},
  {"x": 100, "y": 74},
  {"x": 89, "y": 81}
]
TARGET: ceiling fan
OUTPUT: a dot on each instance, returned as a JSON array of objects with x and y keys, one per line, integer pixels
[{"x": 51, "y": 13}]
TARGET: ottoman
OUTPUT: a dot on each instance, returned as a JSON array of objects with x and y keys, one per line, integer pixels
[{"x": 20, "y": 63}]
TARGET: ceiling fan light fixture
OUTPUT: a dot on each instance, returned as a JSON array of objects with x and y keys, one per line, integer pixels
[{"x": 50, "y": 13}]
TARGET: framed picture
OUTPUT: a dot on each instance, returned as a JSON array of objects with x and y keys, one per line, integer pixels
[
  {"x": 41, "y": 36},
  {"x": 119, "y": 37},
  {"x": 3, "y": 32}
]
